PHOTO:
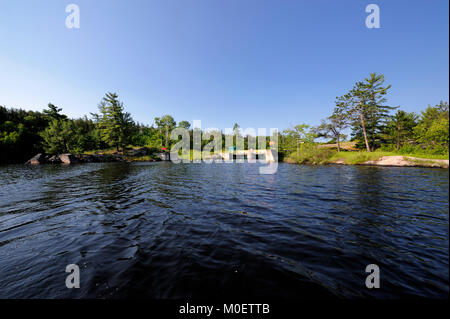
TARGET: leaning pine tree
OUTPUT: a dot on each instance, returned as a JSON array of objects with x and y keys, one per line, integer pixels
[
  {"x": 114, "y": 124},
  {"x": 369, "y": 112}
]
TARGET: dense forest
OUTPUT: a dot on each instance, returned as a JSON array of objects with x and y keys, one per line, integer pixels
[{"x": 361, "y": 111}]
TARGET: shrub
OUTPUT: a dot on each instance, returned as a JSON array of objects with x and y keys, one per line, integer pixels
[{"x": 311, "y": 154}]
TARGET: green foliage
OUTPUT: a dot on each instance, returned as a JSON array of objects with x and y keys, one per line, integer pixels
[
  {"x": 53, "y": 113},
  {"x": 333, "y": 126},
  {"x": 373, "y": 127},
  {"x": 292, "y": 139},
  {"x": 19, "y": 134},
  {"x": 25, "y": 133},
  {"x": 369, "y": 112},
  {"x": 358, "y": 157},
  {"x": 57, "y": 137},
  {"x": 184, "y": 124},
  {"x": 164, "y": 126},
  {"x": 433, "y": 127},
  {"x": 311, "y": 154},
  {"x": 114, "y": 124},
  {"x": 145, "y": 136},
  {"x": 400, "y": 129},
  {"x": 64, "y": 135}
]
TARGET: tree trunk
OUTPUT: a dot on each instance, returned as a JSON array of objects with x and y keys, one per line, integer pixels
[
  {"x": 298, "y": 147},
  {"x": 363, "y": 125},
  {"x": 338, "y": 143},
  {"x": 167, "y": 136}
]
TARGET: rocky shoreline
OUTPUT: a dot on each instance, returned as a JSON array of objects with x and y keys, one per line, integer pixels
[
  {"x": 409, "y": 161},
  {"x": 403, "y": 161},
  {"x": 142, "y": 154},
  {"x": 393, "y": 161}
]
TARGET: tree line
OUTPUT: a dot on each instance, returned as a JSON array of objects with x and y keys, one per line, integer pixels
[
  {"x": 26, "y": 133},
  {"x": 362, "y": 111}
]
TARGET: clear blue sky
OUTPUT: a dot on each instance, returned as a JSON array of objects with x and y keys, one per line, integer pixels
[{"x": 261, "y": 63}]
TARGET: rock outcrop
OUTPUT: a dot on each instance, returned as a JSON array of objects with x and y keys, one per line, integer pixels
[
  {"x": 92, "y": 158},
  {"x": 69, "y": 159},
  {"x": 408, "y": 161},
  {"x": 165, "y": 156},
  {"x": 36, "y": 160}
]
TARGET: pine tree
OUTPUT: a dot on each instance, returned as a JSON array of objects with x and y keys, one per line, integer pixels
[
  {"x": 165, "y": 125},
  {"x": 115, "y": 125},
  {"x": 368, "y": 110},
  {"x": 58, "y": 137},
  {"x": 400, "y": 128},
  {"x": 53, "y": 112}
]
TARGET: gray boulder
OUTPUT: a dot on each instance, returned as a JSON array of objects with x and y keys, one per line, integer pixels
[
  {"x": 165, "y": 156},
  {"x": 36, "y": 160},
  {"x": 68, "y": 159}
]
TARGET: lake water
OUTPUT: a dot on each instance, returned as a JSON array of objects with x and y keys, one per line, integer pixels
[{"x": 163, "y": 230}]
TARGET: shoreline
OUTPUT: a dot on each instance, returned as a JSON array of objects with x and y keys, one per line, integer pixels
[
  {"x": 391, "y": 161},
  {"x": 386, "y": 160},
  {"x": 141, "y": 155}
]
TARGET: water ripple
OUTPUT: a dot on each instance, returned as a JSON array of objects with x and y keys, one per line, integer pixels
[{"x": 160, "y": 230}]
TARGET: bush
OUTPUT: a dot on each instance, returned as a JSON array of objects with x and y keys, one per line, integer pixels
[{"x": 311, "y": 154}]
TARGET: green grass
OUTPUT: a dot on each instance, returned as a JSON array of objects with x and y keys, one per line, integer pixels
[
  {"x": 314, "y": 155},
  {"x": 364, "y": 156},
  {"x": 425, "y": 163},
  {"x": 104, "y": 152},
  {"x": 358, "y": 157},
  {"x": 311, "y": 154},
  {"x": 427, "y": 156},
  {"x": 147, "y": 158}
]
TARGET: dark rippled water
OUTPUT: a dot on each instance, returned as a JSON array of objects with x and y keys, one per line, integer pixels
[{"x": 161, "y": 230}]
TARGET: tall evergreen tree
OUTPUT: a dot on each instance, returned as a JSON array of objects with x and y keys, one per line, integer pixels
[
  {"x": 369, "y": 110},
  {"x": 165, "y": 125},
  {"x": 115, "y": 125},
  {"x": 58, "y": 137},
  {"x": 400, "y": 128}
]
